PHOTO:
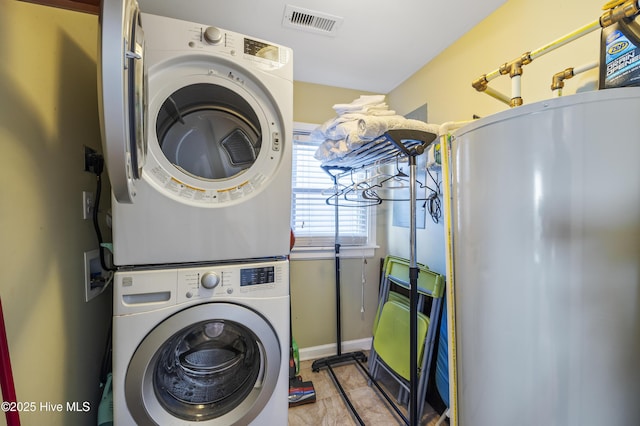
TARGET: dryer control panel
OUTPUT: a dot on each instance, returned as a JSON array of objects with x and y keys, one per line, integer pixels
[{"x": 167, "y": 34}]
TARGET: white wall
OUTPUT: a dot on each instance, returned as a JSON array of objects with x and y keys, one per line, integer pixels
[{"x": 48, "y": 111}]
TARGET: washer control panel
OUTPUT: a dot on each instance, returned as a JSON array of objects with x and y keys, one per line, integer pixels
[
  {"x": 141, "y": 290},
  {"x": 209, "y": 280},
  {"x": 257, "y": 276},
  {"x": 234, "y": 280}
]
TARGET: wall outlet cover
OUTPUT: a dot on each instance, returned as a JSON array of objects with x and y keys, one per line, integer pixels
[{"x": 94, "y": 275}]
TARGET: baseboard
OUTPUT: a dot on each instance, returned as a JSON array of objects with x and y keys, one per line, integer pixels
[{"x": 322, "y": 351}]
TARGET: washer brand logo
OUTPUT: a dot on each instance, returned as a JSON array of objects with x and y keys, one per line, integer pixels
[{"x": 618, "y": 47}]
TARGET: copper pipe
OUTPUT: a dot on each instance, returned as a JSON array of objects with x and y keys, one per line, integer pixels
[
  {"x": 513, "y": 68},
  {"x": 625, "y": 10},
  {"x": 497, "y": 95},
  {"x": 558, "y": 78},
  {"x": 481, "y": 83},
  {"x": 557, "y": 82}
]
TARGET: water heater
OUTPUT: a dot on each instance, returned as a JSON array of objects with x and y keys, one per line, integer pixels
[{"x": 546, "y": 262}]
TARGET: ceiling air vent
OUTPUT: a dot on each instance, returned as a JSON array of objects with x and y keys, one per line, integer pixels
[{"x": 310, "y": 20}]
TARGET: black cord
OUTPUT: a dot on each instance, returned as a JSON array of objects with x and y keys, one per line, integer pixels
[
  {"x": 434, "y": 205},
  {"x": 106, "y": 367},
  {"x": 98, "y": 166}
]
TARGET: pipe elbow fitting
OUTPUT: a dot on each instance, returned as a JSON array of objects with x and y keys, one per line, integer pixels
[
  {"x": 516, "y": 102},
  {"x": 558, "y": 79},
  {"x": 481, "y": 83}
]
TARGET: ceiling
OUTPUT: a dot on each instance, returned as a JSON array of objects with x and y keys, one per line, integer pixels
[{"x": 378, "y": 45}]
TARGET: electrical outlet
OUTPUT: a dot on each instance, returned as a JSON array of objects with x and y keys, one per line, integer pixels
[
  {"x": 89, "y": 153},
  {"x": 94, "y": 277},
  {"x": 87, "y": 204}
]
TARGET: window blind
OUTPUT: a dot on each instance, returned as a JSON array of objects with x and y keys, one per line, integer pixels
[{"x": 313, "y": 220}]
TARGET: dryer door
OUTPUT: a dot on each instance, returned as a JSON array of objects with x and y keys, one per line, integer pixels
[
  {"x": 209, "y": 132},
  {"x": 216, "y": 363},
  {"x": 122, "y": 95},
  {"x": 217, "y": 124}
]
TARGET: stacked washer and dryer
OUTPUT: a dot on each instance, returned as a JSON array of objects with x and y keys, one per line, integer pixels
[{"x": 196, "y": 124}]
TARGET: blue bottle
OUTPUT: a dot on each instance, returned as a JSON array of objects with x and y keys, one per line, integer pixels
[{"x": 620, "y": 55}]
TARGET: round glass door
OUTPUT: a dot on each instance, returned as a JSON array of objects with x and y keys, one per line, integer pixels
[
  {"x": 216, "y": 363},
  {"x": 207, "y": 369},
  {"x": 209, "y": 132}
]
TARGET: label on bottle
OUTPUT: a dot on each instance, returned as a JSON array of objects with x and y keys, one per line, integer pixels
[{"x": 621, "y": 60}]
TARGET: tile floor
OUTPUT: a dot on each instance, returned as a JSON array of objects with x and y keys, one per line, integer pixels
[{"x": 330, "y": 409}]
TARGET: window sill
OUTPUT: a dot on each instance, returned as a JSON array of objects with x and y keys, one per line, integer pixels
[{"x": 318, "y": 253}]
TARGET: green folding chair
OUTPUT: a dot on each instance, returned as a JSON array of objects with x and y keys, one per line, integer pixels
[{"x": 390, "y": 347}]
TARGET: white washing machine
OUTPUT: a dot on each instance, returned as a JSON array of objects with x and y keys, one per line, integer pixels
[
  {"x": 197, "y": 135},
  {"x": 205, "y": 344}
]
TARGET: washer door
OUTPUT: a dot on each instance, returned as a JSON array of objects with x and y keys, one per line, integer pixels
[
  {"x": 122, "y": 95},
  {"x": 216, "y": 363}
]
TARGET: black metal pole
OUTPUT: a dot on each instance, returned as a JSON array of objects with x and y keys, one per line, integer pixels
[
  {"x": 337, "y": 270},
  {"x": 339, "y": 358},
  {"x": 413, "y": 299},
  {"x": 338, "y": 313}
]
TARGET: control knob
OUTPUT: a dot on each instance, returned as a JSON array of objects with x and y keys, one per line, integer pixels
[
  {"x": 209, "y": 280},
  {"x": 212, "y": 35}
]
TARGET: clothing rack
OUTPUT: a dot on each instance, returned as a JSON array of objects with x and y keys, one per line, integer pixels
[{"x": 398, "y": 142}]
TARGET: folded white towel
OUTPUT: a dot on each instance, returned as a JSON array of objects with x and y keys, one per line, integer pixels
[
  {"x": 368, "y": 130},
  {"x": 360, "y": 103},
  {"x": 379, "y": 109},
  {"x": 372, "y": 127},
  {"x": 354, "y": 126},
  {"x": 360, "y": 122},
  {"x": 335, "y": 129}
]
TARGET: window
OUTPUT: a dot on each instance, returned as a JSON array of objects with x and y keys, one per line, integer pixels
[{"x": 312, "y": 218}]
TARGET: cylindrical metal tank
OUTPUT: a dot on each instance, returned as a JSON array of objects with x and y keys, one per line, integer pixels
[{"x": 546, "y": 262}]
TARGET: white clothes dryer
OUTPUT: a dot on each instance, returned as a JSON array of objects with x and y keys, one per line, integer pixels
[
  {"x": 206, "y": 344},
  {"x": 197, "y": 134}
]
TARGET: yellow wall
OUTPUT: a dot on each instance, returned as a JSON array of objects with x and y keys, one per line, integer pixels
[
  {"x": 312, "y": 103},
  {"x": 516, "y": 27},
  {"x": 48, "y": 111},
  {"x": 445, "y": 82}
]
